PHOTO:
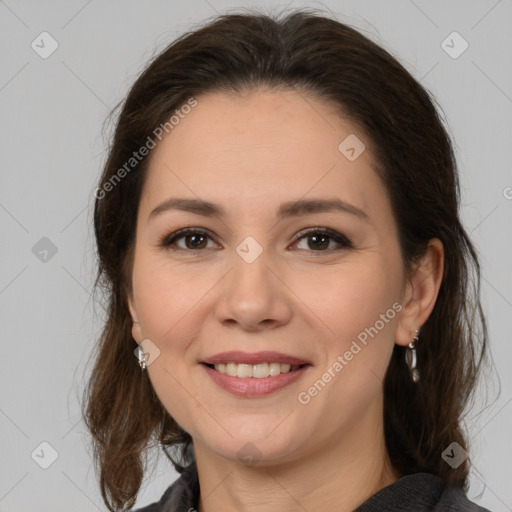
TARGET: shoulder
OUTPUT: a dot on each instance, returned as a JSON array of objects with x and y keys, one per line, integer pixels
[
  {"x": 454, "y": 499},
  {"x": 181, "y": 496},
  {"x": 420, "y": 492}
]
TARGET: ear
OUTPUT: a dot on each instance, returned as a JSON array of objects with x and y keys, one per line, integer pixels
[
  {"x": 421, "y": 292},
  {"x": 136, "y": 327}
]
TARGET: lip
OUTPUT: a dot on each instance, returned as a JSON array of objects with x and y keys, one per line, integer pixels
[
  {"x": 254, "y": 358},
  {"x": 251, "y": 387}
]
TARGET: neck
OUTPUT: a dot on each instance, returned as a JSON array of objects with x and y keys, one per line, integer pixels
[{"x": 340, "y": 476}]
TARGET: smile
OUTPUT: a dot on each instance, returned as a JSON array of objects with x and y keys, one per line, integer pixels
[
  {"x": 257, "y": 371},
  {"x": 251, "y": 386}
]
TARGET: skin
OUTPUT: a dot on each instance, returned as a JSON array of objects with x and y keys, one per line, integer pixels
[{"x": 249, "y": 153}]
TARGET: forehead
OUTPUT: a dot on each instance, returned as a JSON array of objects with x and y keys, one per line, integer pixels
[{"x": 261, "y": 147}]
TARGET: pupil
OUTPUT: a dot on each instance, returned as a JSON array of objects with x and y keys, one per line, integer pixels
[
  {"x": 194, "y": 237},
  {"x": 317, "y": 238}
]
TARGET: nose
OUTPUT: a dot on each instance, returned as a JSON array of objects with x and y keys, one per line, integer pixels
[{"x": 254, "y": 295}]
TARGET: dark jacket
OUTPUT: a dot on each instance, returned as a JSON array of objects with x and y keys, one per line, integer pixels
[{"x": 420, "y": 492}]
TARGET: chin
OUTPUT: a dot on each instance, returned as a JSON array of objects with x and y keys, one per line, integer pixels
[{"x": 255, "y": 447}]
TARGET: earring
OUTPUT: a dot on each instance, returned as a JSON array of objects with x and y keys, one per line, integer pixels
[
  {"x": 141, "y": 356},
  {"x": 410, "y": 357}
]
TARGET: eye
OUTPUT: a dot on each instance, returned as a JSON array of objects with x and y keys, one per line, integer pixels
[
  {"x": 321, "y": 237},
  {"x": 197, "y": 239}
]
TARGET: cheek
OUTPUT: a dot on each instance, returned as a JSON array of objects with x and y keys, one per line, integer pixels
[
  {"x": 166, "y": 295},
  {"x": 353, "y": 297},
  {"x": 357, "y": 306},
  {"x": 168, "y": 302}
]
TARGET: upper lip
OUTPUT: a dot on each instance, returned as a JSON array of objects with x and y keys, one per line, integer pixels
[{"x": 254, "y": 358}]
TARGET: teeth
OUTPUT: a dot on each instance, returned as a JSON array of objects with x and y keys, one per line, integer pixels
[{"x": 258, "y": 371}]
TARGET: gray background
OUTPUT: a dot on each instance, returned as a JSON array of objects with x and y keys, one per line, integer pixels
[{"x": 52, "y": 150}]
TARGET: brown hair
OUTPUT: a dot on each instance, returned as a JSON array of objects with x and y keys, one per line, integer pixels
[{"x": 415, "y": 160}]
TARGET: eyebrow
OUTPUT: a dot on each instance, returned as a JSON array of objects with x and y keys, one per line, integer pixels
[{"x": 286, "y": 210}]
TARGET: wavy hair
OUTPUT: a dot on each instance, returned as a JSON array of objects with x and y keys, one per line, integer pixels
[{"x": 331, "y": 61}]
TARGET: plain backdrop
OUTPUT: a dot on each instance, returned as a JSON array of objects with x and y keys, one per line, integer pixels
[{"x": 52, "y": 110}]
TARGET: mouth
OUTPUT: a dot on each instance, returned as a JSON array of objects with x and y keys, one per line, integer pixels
[
  {"x": 253, "y": 375},
  {"x": 254, "y": 381},
  {"x": 259, "y": 365},
  {"x": 255, "y": 371}
]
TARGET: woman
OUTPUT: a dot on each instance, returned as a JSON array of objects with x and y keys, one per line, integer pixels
[{"x": 278, "y": 232}]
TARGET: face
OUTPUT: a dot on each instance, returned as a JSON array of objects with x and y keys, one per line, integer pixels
[{"x": 320, "y": 288}]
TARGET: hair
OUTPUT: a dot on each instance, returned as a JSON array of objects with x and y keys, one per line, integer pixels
[{"x": 333, "y": 62}]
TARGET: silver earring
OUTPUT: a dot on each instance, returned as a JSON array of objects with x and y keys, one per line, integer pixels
[
  {"x": 410, "y": 357},
  {"x": 141, "y": 356}
]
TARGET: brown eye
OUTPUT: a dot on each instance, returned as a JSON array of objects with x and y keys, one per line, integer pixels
[
  {"x": 195, "y": 239},
  {"x": 321, "y": 238}
]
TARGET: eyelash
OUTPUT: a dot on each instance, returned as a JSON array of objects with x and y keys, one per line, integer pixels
[{"x": 168, "y": 240}]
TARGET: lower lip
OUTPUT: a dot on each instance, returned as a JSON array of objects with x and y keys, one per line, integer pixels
[{"x": 252, "y": 387}]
